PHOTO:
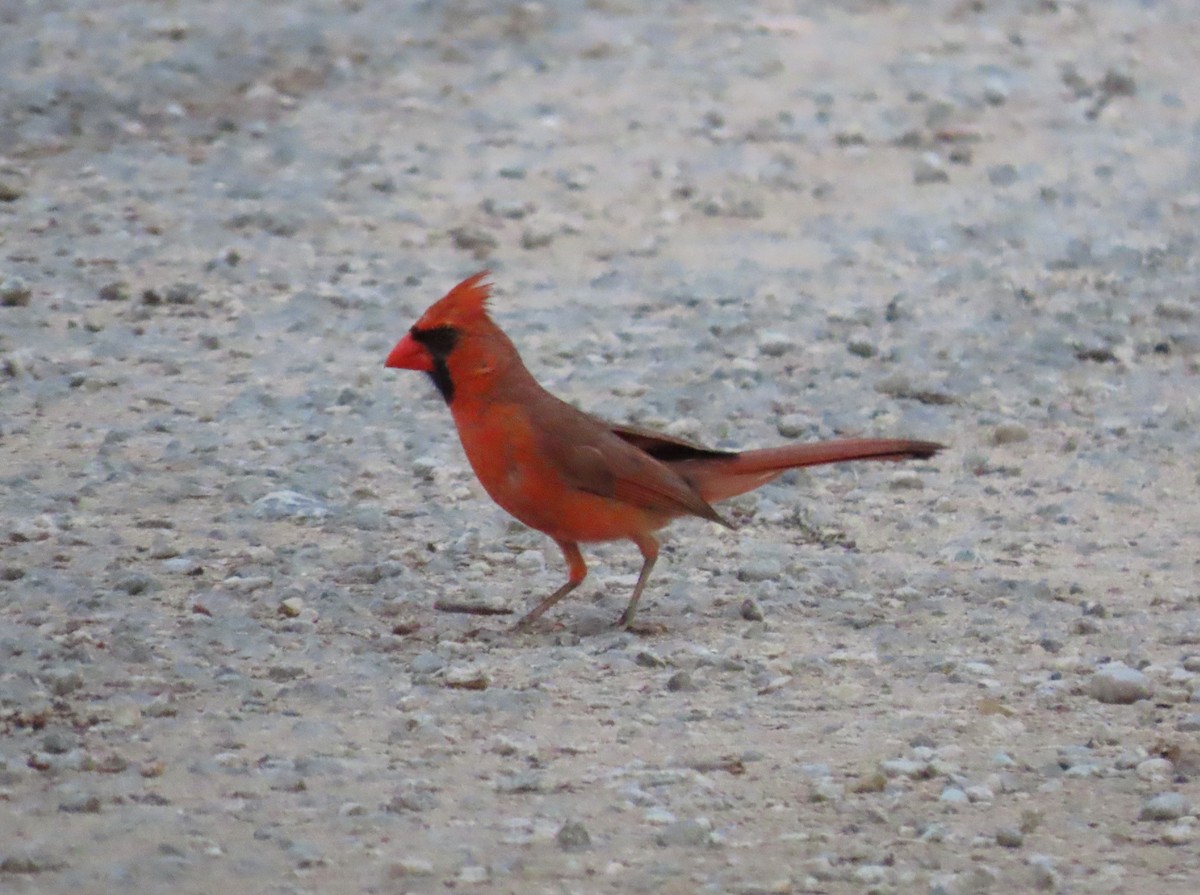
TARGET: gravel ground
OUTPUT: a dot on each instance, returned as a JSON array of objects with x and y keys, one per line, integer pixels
[{"x": 225, "y": 529}]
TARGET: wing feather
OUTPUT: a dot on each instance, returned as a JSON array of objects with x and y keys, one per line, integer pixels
[{"x": 634, "y": 478}]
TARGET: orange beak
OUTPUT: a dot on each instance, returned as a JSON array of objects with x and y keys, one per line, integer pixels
[{"x": 409, "y": 355}]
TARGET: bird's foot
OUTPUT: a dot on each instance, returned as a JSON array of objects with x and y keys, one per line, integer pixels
[
  {"x": 643, "y": 628},
  {"x": 521, "y": 625},
  {"x": 526, "y": 622}
]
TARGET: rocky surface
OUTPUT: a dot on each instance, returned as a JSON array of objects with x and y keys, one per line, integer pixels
[{"x": 228, "y": 536}]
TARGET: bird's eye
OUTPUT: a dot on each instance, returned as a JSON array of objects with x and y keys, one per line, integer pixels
[{"x": 437, "y": 340}]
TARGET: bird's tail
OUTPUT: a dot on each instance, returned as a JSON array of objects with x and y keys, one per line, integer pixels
[{"x": 722, "y": 477}]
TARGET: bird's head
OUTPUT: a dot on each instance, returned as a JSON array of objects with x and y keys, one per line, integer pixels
[{"x": 437, "y": 343}]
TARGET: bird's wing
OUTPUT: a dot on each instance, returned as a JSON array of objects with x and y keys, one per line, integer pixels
[
  {"x": 618, "y": 470},
  {"x": 664, "y": 447}
]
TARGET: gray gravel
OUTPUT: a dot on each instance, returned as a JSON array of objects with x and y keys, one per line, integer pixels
[{"x": 228, "y": 536}]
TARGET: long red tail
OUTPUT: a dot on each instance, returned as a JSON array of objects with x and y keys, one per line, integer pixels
[{"x": 721, "y": 477}]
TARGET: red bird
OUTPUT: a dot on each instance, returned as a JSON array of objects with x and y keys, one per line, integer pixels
[{"x": 571, "y": 475}]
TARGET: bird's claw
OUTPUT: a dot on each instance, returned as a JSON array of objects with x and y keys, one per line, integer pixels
[{"x": 643, "y": 628}]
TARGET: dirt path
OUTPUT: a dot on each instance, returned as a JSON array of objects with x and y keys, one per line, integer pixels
[{"x": 224, "y": 526}]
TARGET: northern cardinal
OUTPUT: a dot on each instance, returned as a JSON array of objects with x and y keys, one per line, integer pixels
[{"x": 571, "y": 475}]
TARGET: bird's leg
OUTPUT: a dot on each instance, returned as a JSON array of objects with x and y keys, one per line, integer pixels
[
  {"x": 576, "y": 572},
  {"x": 649, "y": 547}
]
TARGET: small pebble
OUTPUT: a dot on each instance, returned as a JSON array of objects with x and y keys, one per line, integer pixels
[
  {"x": 751, "y": 611},
  {"x": 1010, "y": 837},
  {"x": 1044, "y": 875},
  {"x": 874, "y": 781},
  {"x": 12, "y": 573},
  {"x": 63, "y": 681},
  {"x": 761, "y": 569},
  {"x": 13, "y": 184},
  {"x": 525, "y": 781},
  {"x": 1118, "y": 684},
  {"x": 1179, "y": 834},
  {"x": 136, "y": 583},
  {"x": 681, "y": 682},
  {"x": 1031, "y": 819},
  {"x": 775, "y": 344},
  {"x": 862, "y": 348},
  {"x": 291, "y": 606},
  {"x": 906, "y": 481},
  {"x": 410, "y": 866},
  {"x": 511, "y": 210},
  {"x": 80, "y": 803},
  {"x": 684, "y": 832},
  {"x": 503, "y": 745},
  {"x": 1165, "y": 806},
  {"x": 115, "y": 291},
  {"x": 426, "y": 468},
  {"x": 648, "y": 660},
  {"x": 250, "y": 583},
  {"x": 1002, "y": 175},
  {"x": 282, "y": 673},
  {"x": 659, "y": 817},
  {"x": 289, "y": 504},
  {"x": 58, "y": 742},
  {"x": 111, "y": 763},
  {"x": 1155, "y": 769},
  {"x": 573, "y": 837},
  {"x": 14, "y": 293},
  {"x": 29, "y": 863},
  {"x": 929, "y": 169},
  {"x": 828, "y": 790},
  {"x": 413, "y": 799},
  {"x": 905, "y": 767},
  {"x": 426, "y": 664},
  {"x": 796, "y": 425},
  {"x": 474, "y": 239},
  {"x": 536, "y": 237},
  {"x": 870, "y": 875},
  {"x": 980, "y": 793},
  {"x": 126, "y": 714},
  {"x": 952, "y": 795},
  {"x": 466, "y": 677},
  {"x": 183, "y": 566},
  {"x": 1009, "y": 433},
  {"x": 473, "y": 875},
  {"x": 961, "y": 154},
  {"x": 182, "y": 293}
]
